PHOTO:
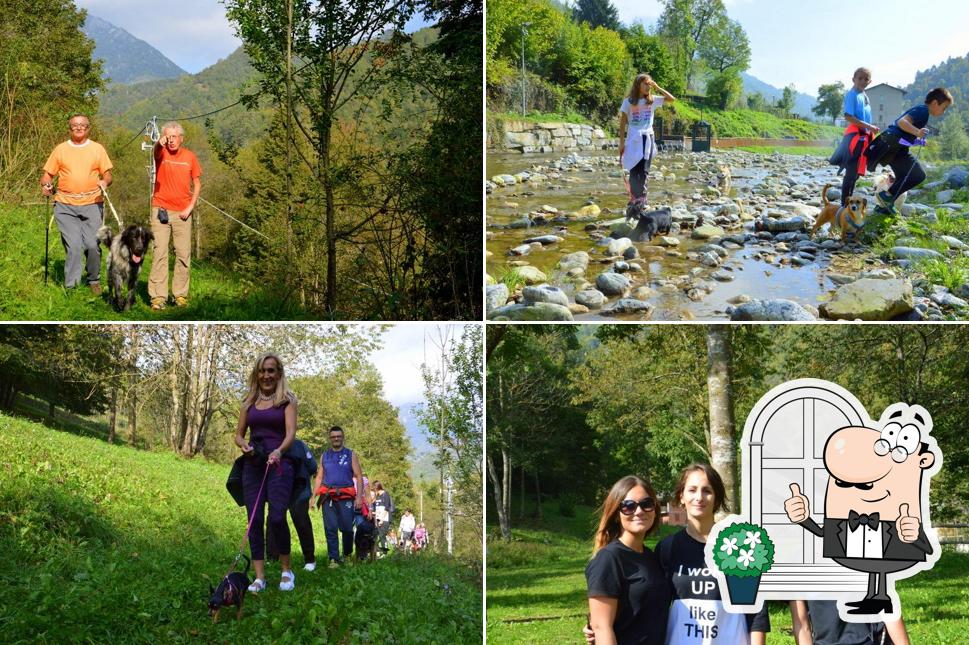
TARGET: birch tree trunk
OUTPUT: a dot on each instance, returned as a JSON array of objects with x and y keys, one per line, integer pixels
[
  {"x": 499, "y": 504},
  {"x": 720, "y": 392}
]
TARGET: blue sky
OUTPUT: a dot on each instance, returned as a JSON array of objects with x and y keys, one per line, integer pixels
[
  {"x": 192, "y": 33},
  {"x": 807, "y": 42}
]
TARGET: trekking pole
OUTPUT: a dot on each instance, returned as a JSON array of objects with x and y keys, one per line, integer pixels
[{"x": 47, "y": 241}]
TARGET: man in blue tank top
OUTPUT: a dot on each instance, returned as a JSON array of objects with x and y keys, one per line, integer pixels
[{"x": 339, "y": 466}]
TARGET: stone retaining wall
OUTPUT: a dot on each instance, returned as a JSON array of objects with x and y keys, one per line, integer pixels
[{"x": 526, "y": 136}]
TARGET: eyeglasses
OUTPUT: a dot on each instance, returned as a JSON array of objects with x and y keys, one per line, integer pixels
[
  {"x": 75, "y": 126},
  {"x": 628, "y": 506}
]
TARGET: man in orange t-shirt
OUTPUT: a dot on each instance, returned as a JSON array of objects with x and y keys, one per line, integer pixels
[
  {"x": 177, "y": 186},
  {"x": 83, "y": 169}
]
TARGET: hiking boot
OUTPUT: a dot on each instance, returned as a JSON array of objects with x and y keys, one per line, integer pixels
[
  {"x": 95, "y": 288},
  {"x": 886, "y": 201},
  {"x": 157, "y": 304},
  {"x": 181, "y": 301},
  {"x": 334, "y": 564}
]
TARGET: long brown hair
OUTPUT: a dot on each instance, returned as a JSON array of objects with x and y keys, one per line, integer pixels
[
  {"x": 634, "y": 94},
  {"x": 716, "y": 483},
  {"x": 610, "y": 527},
  {"x": 282, "y": 389}
]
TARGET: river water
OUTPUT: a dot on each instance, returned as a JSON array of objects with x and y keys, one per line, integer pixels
[{"x": 754, "y": 275}]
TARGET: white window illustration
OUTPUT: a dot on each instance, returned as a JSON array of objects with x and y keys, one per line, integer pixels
[{"x": 786, "y": 446}]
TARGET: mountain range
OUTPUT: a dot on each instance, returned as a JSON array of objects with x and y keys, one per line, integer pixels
[
  {"x": 127, "y": 59},
  {"x": 802, "y": 102}
]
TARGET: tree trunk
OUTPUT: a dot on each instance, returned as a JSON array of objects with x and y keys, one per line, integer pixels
[
  {"x": 720, "y": 392},
  {"x": 132, "y": 383},
  {"x": 113, "y": 418},
  {"x": 499, "y": 504},
  {"x": 506, "y": 466},
  {"x": 521, "y": 494},
  {"x": 538, "y": 497}
]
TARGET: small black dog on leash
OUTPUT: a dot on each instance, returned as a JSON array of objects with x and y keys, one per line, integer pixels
[
  {"x": 231, "y": 591},
  {"x": 651, "y": 224}
]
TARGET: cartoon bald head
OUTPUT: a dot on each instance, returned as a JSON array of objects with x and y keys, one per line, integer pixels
[{"x": 880, "y": 470}]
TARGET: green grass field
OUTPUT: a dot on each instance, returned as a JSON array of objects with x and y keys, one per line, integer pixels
[
  {"x": 215, "y": 293},
  {"x": 536, "y": 587},
  {"x": 105, "y": 543},
  {"x": 812, "y": 151}
]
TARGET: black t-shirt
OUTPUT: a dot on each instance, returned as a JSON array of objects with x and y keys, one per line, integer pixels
[
  {"x": 697, "y": 615},
  {"x": 637, "y": 580},
  {"x": 918, "y": 115},
  {"x": 829, "y": 629}
]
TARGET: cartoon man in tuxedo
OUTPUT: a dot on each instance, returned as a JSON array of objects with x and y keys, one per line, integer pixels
[{"x": 872, "y": 508}]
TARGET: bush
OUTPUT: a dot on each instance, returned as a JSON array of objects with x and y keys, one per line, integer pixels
[{"x": 567, "y": 504}]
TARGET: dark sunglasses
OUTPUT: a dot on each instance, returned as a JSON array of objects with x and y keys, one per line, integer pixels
[{"x": 628, "y": 506}]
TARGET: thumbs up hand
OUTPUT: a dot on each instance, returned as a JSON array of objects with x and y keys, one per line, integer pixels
[
  {"x": 797, "y": 506},
  {"x": 907, "y": 526}
]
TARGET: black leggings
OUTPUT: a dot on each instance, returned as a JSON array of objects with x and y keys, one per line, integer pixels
[
  {"x": 300, "y": 514},
  {"x": 639, "y": 174},
  {"x": 908, "y": 172}
]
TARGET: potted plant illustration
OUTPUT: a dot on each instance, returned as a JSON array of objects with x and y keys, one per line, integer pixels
[{"x": 743, "y": 552}]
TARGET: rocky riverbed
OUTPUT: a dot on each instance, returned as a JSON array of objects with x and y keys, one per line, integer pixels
[{"x": 559, "y": 247}]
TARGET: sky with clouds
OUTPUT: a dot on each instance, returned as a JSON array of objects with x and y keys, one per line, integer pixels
[
  {"x": 823, "y": 41},
  {"x": 194, "y": 34}
]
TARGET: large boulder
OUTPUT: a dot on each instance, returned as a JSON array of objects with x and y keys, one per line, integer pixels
[
  {"x": 545, "y": 293},
  {"x": 706, "y": 231},
  {"x": 531, "y": 275},
  {"x": 574, "y": 262},
  {"x": 616, "y": 247},
  {"x": 496, "y": 295},
  {"x": 786, "y": 224},
  {"x": 770, "y": 310},
  {"x": 628, "y": 306},
  {"x": 591, "y": 298},
  {"x": 544, "y": 240},
  {"x": 539, "y": 311},
  {"x": 870, "y": 299},
  {"x": 957, "y": 177},
  {"x": 613, "y": 284},
  {"x": 913, "y": 253}
]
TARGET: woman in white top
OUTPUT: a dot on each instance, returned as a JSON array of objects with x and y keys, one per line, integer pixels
[{"x": 637, "y": 145}]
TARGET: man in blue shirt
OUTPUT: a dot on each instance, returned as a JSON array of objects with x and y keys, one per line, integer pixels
[{"x": 339, "y": 466}]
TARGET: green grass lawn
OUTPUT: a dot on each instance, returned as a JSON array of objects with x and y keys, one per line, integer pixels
[
  {"x": 536, "y": 587},
  {"x": 215, "y": 293},
  {"x": 812, "y": 151},
  {"x": 106, "y": 543}
]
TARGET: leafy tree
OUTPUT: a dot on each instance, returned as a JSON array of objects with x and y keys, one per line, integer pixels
[
  {"x": 685, "y": 24},
  {"x": 48, "y": 73},
  {"x": 830, "y": 100},
  {"x": 647, "y": 53},
  {"x": 598, "y": 13},
  {"x": 335, "y": 47},
  {"x": 591, "y": 64},
  {"x": 725, "y": 46},
  {"x": 786, "y": 102},
  {"x": 503, "y": 37},
  {"x": 953, "y": 141},
  {"x": 724, "y": 88},
  {"x": 452, "y": 418},
  {"x": 756, "y": 101}
]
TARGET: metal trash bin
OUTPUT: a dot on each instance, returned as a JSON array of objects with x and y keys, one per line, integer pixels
[{"x": 702, "y": 135}]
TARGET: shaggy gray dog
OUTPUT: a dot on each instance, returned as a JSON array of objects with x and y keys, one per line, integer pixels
[{"x": 125, "y": 255}]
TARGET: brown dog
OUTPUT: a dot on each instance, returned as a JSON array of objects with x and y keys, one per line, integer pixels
[{"x": 848, "y": 217}]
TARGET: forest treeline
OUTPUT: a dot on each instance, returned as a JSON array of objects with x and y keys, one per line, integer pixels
[
  {"x": 353, "y": 157},
  {"x": 571, "y": 409}
]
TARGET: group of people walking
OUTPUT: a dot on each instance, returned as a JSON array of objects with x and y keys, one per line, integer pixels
[
  {"x": 279, "y": 469},
  {"x": 82, "y": 170},
  {"x": 637, "y": 595}
]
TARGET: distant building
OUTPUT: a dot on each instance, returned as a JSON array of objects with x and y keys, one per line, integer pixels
[{"x": 887, "y": 103}]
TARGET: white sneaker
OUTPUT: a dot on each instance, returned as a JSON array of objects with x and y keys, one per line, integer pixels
[
  {"x": 310, "y": 566},
  {"x": 287, "y": 581},
  {"x": 257, "y": 585}
]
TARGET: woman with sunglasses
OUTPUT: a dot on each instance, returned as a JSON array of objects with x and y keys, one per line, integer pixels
[
  {"x": 629, "y": 596},
  {"x": 697, "y": 615}
]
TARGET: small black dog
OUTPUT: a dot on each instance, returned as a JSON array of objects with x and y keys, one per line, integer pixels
[
  {"x": 364, "y": 540},
  {"x": 231, "y": 591},
  {"x": 651, "y": 224},
  {"x": 125, "y": 255}
]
